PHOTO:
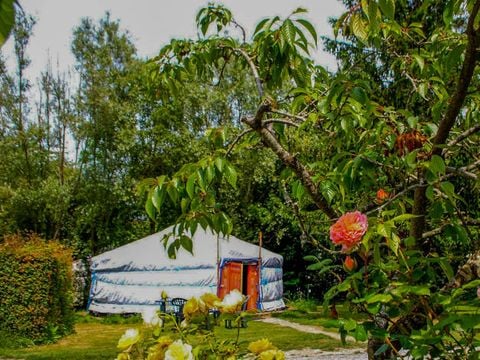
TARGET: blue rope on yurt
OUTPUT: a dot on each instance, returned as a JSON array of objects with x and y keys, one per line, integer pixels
[{"x": 92, "y": 286}]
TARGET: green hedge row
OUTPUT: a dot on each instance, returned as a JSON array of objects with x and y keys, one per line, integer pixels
[{"x": 35, "y": 288}]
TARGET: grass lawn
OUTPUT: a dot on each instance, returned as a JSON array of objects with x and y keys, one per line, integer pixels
[
  {"x": 317, "y": 317},
  {"x": 98, "y": 341}
]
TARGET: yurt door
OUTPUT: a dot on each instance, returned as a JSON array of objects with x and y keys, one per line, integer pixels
[
  {"x": 252, "y": 285},
  {"x": 243, "y": 277},
  {"x": 231, "y": 278}
]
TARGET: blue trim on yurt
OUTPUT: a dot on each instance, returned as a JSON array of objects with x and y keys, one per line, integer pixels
[{"x": 92, "y": 287}]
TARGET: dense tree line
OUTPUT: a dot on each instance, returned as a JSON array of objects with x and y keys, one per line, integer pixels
[{"x": 76, "y": 144}]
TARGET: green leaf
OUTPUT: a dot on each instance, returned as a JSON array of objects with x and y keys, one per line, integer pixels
[
  {"x": 388, "y": 8},
  {"x": 184, "y": 205},
  {"x": 359, "y": 27},
  {"x": 419, "y": 290},
  {"x": 379, "y": 298},
  {"x": 260, "y": 26},
  {"x": 373, "y": 16},
  {"x": 350, "y": 325},
  {"x": 219, "y": 164},
  {"x": 310, "y": 28},
  {"x": 186, "y": 243},
  {"x": 310, "y": 258},
  {"x": 231, "y": 175},
  {"x": 172, "y": 191},
  {"x": 394, "y": 243},
  {"x": 191, "y": 185},
  {"x": 150, "y": 208},
  {"x": 360, "y": 95},
  {"x": 360, "y": 333},
  {"x": 381, "y": 349},
  {"x": 422, "y": 90},
  {"x": 158, "y": 195},
  {"x": 172, "y": 251},
  {"x": 419, "y": 60},
  {"x": 448, "y": 189},
  {"x": 437, "y": 165},
  {"x": 448, "y": 13},
  {"x": 403, "y": 217},
  {"x": 7, "y": 19}
]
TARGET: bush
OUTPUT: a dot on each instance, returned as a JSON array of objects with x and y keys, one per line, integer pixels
[{"x": 36, "y": 288}]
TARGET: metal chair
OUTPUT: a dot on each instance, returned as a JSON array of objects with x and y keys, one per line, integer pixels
[
  {"x": 177, "y": 305},
  {"x": 243, "y": 321}
]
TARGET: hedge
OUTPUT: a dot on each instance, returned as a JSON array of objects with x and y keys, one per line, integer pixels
[{"x": 35, "y": 288}]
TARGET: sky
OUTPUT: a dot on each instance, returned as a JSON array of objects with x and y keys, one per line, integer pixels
[{"x": 151, "y": 23}]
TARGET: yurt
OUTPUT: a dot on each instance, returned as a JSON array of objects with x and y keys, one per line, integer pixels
[{"x": 131, "y": 278}]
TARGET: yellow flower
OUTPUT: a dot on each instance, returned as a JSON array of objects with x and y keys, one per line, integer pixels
[
  {"x": 191, "y": 308},
  {"x": 164, "y": 341},
  {"x": 209, "y": 299},
  {"x": 272, "y": 355},
  {"x": 179, "y": 351},
  {"x": 164, "y": 294},
  {"x": 232, "y": 302},
  {"x": 260, "y": 346},
  {"x": 131, "y": 337},
  {"x": 122, "y": 356},
  {"x": 150, "y": 317},
  {"x": 156, "y": 352}
]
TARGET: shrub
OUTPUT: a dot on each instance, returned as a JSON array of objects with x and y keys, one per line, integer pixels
[{"x": 36, "y": 288}]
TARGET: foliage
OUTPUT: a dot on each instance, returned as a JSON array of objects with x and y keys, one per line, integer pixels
[
  {"x": 196, "y": 337},
  {"x": 36, "y": 285},
  {"x": 7, "y": 19},
  {"x": 399, "y": 116}
]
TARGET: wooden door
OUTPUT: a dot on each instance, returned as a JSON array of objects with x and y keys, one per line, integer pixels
[
  {"x": 231, "y": 278},
  {"x": 252, "y": 274}
]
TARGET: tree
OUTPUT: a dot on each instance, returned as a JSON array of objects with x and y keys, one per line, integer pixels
[{"x": 410, "y": 131}]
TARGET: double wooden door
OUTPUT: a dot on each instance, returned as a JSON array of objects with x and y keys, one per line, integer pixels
[{"x": 243, "y": 277}]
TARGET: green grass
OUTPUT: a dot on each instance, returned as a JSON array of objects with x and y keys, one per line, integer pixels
[
  {"x": 95, "y": 340},
  {"x": 90, "y": 341},
  {"x": 316, "y": 316}
]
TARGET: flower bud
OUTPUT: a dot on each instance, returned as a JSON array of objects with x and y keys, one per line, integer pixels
[
  {"x": 382, "y": 195},
  {"x": 349, "y": 264}
]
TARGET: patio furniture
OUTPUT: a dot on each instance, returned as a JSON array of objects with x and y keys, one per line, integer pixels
[
  {"x": 243, "y": 321},
  {"x": 177, "y": 307}
]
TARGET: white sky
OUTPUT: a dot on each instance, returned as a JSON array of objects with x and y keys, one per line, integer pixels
[{"x": 151, "y": 23}]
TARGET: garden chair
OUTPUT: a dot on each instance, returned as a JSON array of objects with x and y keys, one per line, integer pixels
[
  {"x": 177, "y": 305},
  {"x": 243, "y": 321}
]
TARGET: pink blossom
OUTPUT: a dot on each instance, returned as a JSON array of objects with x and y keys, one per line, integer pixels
[
  {"x": 478, "y": 292},
  {"x": 349, "y": 230}
]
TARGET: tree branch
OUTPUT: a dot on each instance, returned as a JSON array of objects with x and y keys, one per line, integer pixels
[
  {"x": 288, "y": 159},
  {"x": 258, "y": 81},
  {"x": 292, "y": 116},
  {"x": 280, "y": 121},
  {"x": 466, "y": 273},
  {"x": 447, "y": 122},
  {"x": 237, "y": 139},
  {"x": 464, "y": 171},
  {"x": 393, "y": 198},
  {"x": 463, "y": 135},
  {"x": 303, "y": 228}
]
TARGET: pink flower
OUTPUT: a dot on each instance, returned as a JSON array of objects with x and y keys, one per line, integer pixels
[
  {"x": 349, "y": 230},
  {"x": 478, "y": 292}
]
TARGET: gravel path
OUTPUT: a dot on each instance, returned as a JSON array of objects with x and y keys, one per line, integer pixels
[{"x": 309, "y": 354}]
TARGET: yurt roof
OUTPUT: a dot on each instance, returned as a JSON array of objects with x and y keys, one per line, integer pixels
[{"x": 149, "y": 253}]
